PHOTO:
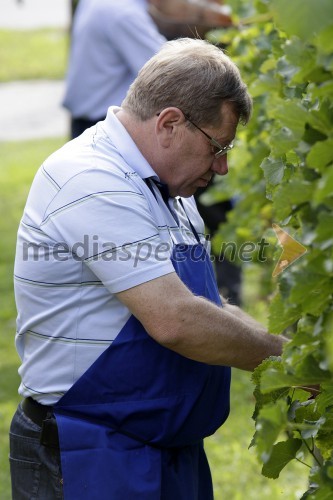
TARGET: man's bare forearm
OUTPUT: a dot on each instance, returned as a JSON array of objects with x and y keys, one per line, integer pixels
[
  {"x": 216, "y": 335},
  {"x": 239, "y": 313},
  {"x": 198, "y": 329}
]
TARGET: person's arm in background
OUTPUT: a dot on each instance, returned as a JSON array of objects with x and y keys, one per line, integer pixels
[{"x": 198, "y": 329}]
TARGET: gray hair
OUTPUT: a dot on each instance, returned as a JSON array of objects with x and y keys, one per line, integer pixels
[{"x": 192, "y": 75}]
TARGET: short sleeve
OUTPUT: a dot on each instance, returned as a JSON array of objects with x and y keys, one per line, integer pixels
[{"x": 107, "y": 225}]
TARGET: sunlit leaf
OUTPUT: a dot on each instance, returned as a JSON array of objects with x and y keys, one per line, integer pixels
[
  {"x": 323, "y": 90},
  {"x": 282, "y": 316},
  {"x": 324, "y": 40},
  {"x": 321, "y": 155},
  {"x": 291, "y": 115},
  {"x": 289, "y": 195},
  {"x": 282, "y": 140},
  {"x": 304, "y": 18},
  {"x": 312, "y": 292},
  {"x": 322, "y": 118},
  {"x": 299, "y": 61},
  {"x": 271, "y": 421},
  {"x": 324, "y": 436},
  {"x": 273, "y": 170},
  {"x": 265, "y": 83},
  {"x": 324, "y": 187}
]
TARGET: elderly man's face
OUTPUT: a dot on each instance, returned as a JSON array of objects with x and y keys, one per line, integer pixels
[{"x": 195, "y": 163}]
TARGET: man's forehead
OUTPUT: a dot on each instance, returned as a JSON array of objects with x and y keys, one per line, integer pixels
[{"x": 226, "y": 129}]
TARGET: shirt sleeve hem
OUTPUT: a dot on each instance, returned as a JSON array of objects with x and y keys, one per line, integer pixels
[{"x": 139, "y": 277}]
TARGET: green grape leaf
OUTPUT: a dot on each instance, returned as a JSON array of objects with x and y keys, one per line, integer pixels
[
  {"x": 325, "y": 398},
  {"x": 320, "y": 155},
  {"x": 322, "y": 118},
  {"x": 298, "y": 62},
  {"x": 304, "y": 359},
  {"x": 324, "y": 41},
  {"x": 328, "y": 339},
  {"x": 304, "y": 19},
  {"x": 288, "y": 196},
  {"x": 321, "y": 481},
  {"x": 263, "y": 84},
  {"x": 273, "y": 170},
  {"x": 282, "y": 453},
  {"x": 322, "y": 492},
  {"x": 312, "y": 292},
  {"x": 263, "y": 398},
  {"x": 292, "y": 115},
  {"x": 309, "y": 372},
  {"x": 324, "y": 187},
  {"x": 268, "y": 65},
  {"x": 324, "y": 228},
  {"x": 324, "y": 437},
  {"x": 281, "y": 316},
  {"x": 274, "y": 379},
  {"x": 282, "y": 140},
  {"x": 271, "y": 421},
  {"x": 323, "y": 90}
]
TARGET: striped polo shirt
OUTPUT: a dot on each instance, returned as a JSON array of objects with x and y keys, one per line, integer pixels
[{"x": 94, "y": 224}]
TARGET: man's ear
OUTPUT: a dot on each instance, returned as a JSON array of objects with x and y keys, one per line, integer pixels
[{"x": 167, "y": 124}]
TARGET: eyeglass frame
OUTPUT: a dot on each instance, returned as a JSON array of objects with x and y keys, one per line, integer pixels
[{"x": 222, "y": 150}]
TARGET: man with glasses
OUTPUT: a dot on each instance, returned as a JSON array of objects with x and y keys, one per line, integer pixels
[{"x": 126, "y": 347}]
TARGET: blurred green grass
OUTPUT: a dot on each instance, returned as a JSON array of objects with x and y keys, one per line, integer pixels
[{"x": 29, "y": 55}]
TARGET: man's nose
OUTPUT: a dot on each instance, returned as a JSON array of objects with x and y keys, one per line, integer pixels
[{"x": 220, "y": 165}]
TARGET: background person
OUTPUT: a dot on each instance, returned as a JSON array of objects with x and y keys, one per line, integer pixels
[
  {"x": 130, "y": 337},
  {"x": 190, "y": 18},
  {"x": 110, "y": 42}
]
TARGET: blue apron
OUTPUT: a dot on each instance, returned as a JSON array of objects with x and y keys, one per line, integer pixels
[{"x": 132, "y": 427}]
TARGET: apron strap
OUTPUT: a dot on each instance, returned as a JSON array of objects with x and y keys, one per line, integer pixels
[
  {"x": 194, "y": 231},
  {"x": 163, "y": 189}
]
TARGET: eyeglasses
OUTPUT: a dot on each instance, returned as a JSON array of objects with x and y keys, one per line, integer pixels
[{"x": 217, "y": 148}]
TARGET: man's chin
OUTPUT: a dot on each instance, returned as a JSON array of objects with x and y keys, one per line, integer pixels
[
  {"x": 187, "y": 192},
  {"x": 184, "y": 191}
]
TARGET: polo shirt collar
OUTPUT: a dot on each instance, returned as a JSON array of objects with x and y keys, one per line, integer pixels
[{"x": 125, "y": 145}]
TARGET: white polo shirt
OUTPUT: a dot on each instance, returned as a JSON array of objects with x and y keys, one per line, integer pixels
[
  {"x": 91, "y": 228},
  {"x": 111, "y": 41}
]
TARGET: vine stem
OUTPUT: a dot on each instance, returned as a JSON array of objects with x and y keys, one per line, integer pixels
[
  {"x": 304, "y": 387},
  {"x": 304, "y": 463},
  {"x": 311, "y": 451}
]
